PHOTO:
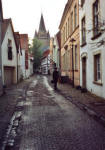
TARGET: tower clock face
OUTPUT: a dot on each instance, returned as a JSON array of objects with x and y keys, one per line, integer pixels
[{"x": 43, "y": 34}]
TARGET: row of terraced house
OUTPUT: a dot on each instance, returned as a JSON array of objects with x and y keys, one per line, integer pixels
[
  {"x": 78, "y": 49},
  {"x": 16, "y": 63}
]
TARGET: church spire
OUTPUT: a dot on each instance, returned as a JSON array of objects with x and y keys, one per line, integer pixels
[{"x": 42, "y": 24}]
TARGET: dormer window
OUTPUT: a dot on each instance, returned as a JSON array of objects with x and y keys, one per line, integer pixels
[{"x": 9, "y": 49}]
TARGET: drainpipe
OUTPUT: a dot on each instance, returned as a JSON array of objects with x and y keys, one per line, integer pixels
[{"x": 72, "y": 41}]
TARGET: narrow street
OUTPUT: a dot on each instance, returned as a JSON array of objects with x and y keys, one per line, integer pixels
[{"x": 50, "y": 122}]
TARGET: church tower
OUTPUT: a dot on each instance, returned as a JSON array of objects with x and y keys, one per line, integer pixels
[{"x": 43, "y": 35}]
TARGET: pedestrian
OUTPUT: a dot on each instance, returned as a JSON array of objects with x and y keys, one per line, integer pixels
[{"x": 55, "y": 77}]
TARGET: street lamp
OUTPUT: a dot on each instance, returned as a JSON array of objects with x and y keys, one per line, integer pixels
[{"x": 72, "y": 41}]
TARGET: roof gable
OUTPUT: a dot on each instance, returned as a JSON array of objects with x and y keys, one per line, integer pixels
[{"x": 4, "y": 28}]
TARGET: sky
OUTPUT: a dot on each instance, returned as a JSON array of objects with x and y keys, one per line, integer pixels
[{"x": 26, "y": 14}]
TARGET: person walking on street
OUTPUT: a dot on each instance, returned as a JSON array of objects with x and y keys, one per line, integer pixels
[{"x": 55, "y": 77}]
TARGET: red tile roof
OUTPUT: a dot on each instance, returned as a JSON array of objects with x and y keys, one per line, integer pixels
[
  {"x": 24, "y": 41},
  {"x": 46, "y": 53},
  {"x": 17, "y": 37}
]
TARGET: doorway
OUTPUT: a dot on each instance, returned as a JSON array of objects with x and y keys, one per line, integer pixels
[{"x": 84, "y": 72}]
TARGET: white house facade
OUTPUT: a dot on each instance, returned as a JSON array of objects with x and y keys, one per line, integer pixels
[
  {"x": 45, "y": 63},
  {"x": 56, "y": 52},
  {"x": 9, "y": 54},
  {"x": 31, "y": 61},
  {"x": 19, "y": 57},
  {"x": 92, "y": 43},
  {"x": 22, "y": 64}
]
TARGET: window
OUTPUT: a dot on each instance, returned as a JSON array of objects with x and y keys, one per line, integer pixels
[
  {"x": 71, "y": 22},
  {"x": 9, "y": 49},
  {"x": 97, "y": 67},
  {"x": 76, "y": 58},
  {"x": 83, "y": 31},
  {"x": 82, "y": 2},
  {"x": 95, "y": 18},
  {"x": 75, "y": 16}
]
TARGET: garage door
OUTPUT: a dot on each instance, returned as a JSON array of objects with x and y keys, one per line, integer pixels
[{"x": 8, "y": 76}]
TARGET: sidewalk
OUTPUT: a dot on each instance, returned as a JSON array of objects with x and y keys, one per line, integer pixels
[{"x": 93, "y": 105}]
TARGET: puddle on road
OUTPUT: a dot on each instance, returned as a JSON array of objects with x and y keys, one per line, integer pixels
[
  {"x": 11, "y": 133},
  {"x": 33, "y": 84},
  {"x": 20, "y": 104},
  {"x": 48, "y": 96},
  {"x": 47, "y": 84},
  {"x": 60, "y": 100},
  {"x": 30, "y": 93},
  {"x": 28, "y": 103}
]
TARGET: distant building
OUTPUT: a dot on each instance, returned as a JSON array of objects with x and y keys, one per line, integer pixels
[
  {"x": 43, "y": 35},
  {"x": 25, "y": 55},
  {"x": 56, "y": 50},
  {"x": 45, "y": 63},
  {"x": 51, "y": 54},
  {"x": 19, "y": 56}
]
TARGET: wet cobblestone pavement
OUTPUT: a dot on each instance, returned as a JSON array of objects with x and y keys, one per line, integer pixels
[
  {"x": 50, "y": 122},
  {"x": 45, "y": 120}
]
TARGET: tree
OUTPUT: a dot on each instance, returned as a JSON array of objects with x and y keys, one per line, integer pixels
[{"x": 35, "y": 50}]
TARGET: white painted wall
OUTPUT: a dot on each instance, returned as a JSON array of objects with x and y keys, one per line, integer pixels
[
  {"x": 45, "y": 64},
  {"x": 22, "y": 62},
  {"x": 56, "y": 52},
  {"x": 5, "y": 61},
  {"x": 20, "y": 73},
  {"x": 87, "y": 12},
  {"x": 31, "y": 65}
]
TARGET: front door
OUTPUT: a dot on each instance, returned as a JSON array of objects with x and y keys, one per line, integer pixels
[
  {"x": 8, "y": 76},
  {"x": 84, "y": 72}
]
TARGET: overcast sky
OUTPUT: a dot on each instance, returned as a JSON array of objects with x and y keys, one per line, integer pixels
[{"x": 26, "y": 14}]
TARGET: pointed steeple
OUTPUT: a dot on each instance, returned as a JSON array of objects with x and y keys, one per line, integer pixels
[{"x": 42, "y": 27}]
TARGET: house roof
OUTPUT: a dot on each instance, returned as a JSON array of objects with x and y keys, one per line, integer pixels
[
  {"x": 4, "y": 28},
  {"x": 1, "y": 10},
  {"x": 24, "y": 41},
  {"x": 46, "y": 53},
  {"x": 17, "y": 37},
  {"x": 66, "y": 9}
]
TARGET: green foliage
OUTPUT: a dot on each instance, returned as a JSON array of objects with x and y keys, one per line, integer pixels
[{"x": 35, "y": 49}]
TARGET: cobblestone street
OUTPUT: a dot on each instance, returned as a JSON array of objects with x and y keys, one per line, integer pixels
[{"x": 50, "y": 122}]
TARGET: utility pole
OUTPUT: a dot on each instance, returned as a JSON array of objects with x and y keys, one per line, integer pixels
[{"x": 72, "y": 41}]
